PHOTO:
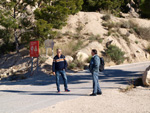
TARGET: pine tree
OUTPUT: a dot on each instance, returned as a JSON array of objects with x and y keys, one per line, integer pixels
[
  {"x": 145, "y": 8},
  {"x": 15, "y": 19}
]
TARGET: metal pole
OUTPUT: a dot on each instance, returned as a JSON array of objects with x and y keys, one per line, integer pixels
[
  {"x": 52, "y": 52},
  {"x": 46, "y": 51},
  {"x": 31, "y": 66},
  {"x": 37, "y": 65}
]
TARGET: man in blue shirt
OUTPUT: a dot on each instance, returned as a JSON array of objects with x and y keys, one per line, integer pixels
[
  {"x": 58, "y": 68},
  {"x": 94, "y": 69}
]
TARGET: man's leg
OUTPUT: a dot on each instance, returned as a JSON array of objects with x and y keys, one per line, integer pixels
[
  {"x": 57, "y": 81},
  {"x": 94, "y": 83},
  {"x": 98, "y": 87},
  {"x": 63, "y": 74}
]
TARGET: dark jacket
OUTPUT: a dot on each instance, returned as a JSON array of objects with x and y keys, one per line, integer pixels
[
  {"x": 59, "y": 63},
  {"x": 94, "y": 64}
]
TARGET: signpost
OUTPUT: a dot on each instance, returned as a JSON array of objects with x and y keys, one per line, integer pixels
[
  {"x": 49, "y": 44},
  {"x": 34, "y": 52}
]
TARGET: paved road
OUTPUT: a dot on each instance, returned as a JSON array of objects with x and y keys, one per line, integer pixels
[{"x": 40, "y": 91}]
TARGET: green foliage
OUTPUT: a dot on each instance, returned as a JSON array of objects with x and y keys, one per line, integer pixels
[
  {"x": 148, "y": 49},
  {"x": 145, "y": 8},
  {"x": 72, "y": 65},
  {"x": 94, "y": 5},
  {"x": 10, "y": 18},
  {"x": 115, "y": 53},
  {"x": 89, "y": 59},
  {"x": 106, "y": 17}
]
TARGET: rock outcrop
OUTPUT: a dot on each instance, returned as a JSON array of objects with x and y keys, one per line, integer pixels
[{"x": 146, "y": 77}]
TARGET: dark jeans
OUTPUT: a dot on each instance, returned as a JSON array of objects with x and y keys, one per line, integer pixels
[
  {"x": 63, "y": 74},
  {"x": 96, "y": 86}
]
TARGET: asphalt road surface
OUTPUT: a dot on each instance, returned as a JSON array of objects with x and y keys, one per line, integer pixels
[{"x": 39, "y": 91}]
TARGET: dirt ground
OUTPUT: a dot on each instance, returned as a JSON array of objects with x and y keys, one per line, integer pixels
[{"x": 111, "y": 101}]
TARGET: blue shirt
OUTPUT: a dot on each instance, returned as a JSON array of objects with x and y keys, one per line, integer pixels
[
  {"x": 59, "y": 63},
  {"x": 94, "y": 64}
]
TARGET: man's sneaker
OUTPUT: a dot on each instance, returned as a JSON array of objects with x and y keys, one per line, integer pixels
[
  {"x": 92, "y": 94},
  {"x": 67, "y": 90},
  {"x": 58, "y": 91},
  {"x": 99, "y": 93}
]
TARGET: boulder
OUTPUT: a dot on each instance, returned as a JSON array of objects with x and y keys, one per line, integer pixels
[
  {"x": 81, "y": 56},
  {"x": 49, "y": 61},
  {"x": 146, "y": 77},
  {"x": 123, "y": 31},
  {"x": 93, "y": 45},
  {"x": 69, "y": 58}
]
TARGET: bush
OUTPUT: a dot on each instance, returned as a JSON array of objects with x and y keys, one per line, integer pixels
[
  {"x": 145, "y": 5},
  {"x": 6, "y": 48},
  {"x": 109, "y": 25},
  {"x": 89, "y": 59},
  {"x": 72, "y": 66},
  {"x": 106, "y": 17},
  {"x": 95, "y": 5},
  {"x": 76, "y": 64},
  {"x": 115, "y": 53},
  {"x": 93, "y": 37},
  {"x": 148, "y": 49},
  {"x": 101, "y": 40}
]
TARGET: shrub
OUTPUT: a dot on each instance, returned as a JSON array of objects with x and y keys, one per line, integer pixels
[
  {"x": 115, "y": 53},
  {"x": 101, "y": 40},
  {"x": 94, "y": 37},
  {"x": 136, "y": 42},
  {"x": 106, "y": 17},
  {"x": 109, "y": 25},
  {"x": 89, "y": 59},
  {"x": 76, "y": 64},
  {"x": 72, "y": 66},
  {"x": 148, "y": 49}
]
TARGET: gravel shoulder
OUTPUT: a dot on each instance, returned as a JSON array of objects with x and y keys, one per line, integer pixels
[{"x": 135, "y": 101}]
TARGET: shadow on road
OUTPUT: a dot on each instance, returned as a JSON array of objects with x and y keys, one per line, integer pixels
[{"x": 109, "y": 75}]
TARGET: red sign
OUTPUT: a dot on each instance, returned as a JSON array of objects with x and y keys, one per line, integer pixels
[{"x": 34, "y": 49}]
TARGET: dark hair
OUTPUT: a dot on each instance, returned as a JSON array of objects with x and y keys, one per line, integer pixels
[{"x": 94, "y": 51}]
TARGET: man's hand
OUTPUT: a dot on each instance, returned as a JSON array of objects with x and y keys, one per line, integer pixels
[{"x": 54, "y": 73}]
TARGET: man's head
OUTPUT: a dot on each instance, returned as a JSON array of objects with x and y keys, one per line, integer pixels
[
  {"x": 94, "y": 51},
  {"x": 59, "y": 52}
]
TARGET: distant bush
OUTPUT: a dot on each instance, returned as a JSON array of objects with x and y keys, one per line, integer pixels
[
  {"x": 76, "y": 64},
  {"x": 72, "y": 65},
  {"x": 109, "y": 25},
  {"x": 145, "y": 5},
  {"x": 96, "y": 5},
  {"x": 106, "y": 17},
  {"x": 148, "y": 49},
  {"x": 6, "y": 48},
  {"x": 93, "y": 37},
  {"x": 115, "y": 53},
  {"x": 89, "y": 59}
]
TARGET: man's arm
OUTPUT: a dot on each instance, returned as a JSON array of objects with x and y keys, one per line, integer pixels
[
  {"x": 96, "y": 62},
  {"x": 53, "y": 66}
]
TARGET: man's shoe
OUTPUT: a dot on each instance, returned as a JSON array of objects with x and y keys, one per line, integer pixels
[
  {"x": 67, "y": 90},
  {"x": 92, "y": 94},
  {"x": 58, "y": 92},
  {"x": 99, "y": 93}
]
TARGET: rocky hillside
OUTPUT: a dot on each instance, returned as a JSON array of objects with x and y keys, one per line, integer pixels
[
  {"x": 86, "y": 31},
  {"x": 98, "y": 30}
]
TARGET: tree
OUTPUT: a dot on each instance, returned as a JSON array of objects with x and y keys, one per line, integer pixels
[
  {"x": 15, "y": 18},
  {"x": 52, "y": 14},
  {"x": 145, "y": 8},
  {"x": 94, "y": 5}
]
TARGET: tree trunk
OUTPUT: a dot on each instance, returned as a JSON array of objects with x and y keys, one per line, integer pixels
[
  {"x": 15, "y": 34},
  {"x": 16, "y": 41}
]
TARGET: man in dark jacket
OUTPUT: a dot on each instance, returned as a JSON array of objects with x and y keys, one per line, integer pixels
[
  {"x": 94, "y": 69},
  {"x": 58, "y": 68}
]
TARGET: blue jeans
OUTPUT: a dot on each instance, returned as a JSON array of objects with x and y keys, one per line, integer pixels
[
  {"x": 96, "y": 86},
  {"x": 63, "y": 74}
]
